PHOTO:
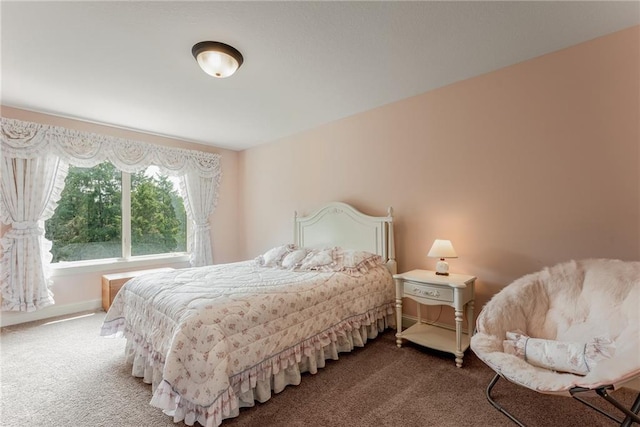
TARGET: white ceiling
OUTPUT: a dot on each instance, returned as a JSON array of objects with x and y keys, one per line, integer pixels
[{"x": 129, "y": 63}]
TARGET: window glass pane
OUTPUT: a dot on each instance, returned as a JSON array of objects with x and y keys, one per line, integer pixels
[
  {"x": 87, "y": 222},
  {"x": 158, "y": 218}
]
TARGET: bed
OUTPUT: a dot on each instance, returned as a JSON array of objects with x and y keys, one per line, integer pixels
[{"x": 211, "y": 340}]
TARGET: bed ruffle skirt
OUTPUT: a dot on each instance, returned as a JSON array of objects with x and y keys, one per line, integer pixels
[{"x": 259, "y": 382}]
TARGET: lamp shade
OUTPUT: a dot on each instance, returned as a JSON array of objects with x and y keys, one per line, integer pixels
[
  {"x": 442, "y": 249},
  {"x": 217, "y": 59}
]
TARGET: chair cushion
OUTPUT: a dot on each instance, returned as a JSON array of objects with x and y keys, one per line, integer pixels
[{"x": 574, "y": 302}]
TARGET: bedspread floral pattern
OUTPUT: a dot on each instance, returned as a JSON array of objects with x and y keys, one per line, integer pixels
[{"x": 218, "y": 329}]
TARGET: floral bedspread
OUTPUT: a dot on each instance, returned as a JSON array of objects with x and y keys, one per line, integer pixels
[{"x": 221, "y": 327}]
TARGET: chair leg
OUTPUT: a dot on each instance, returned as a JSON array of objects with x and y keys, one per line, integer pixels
[
  {"x": 635, "y": 408},
  {"x": 595, "y": 408},
  {"x": 631, "y": 415},
  {"x": 496, "y": 405}
]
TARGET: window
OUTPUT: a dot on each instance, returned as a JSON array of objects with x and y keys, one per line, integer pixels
[{"x": 106, "y": 213}]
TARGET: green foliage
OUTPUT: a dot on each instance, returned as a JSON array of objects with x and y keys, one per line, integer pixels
[
  {"x": 155, "y": 226},
  {"x": 88, "y": 212},
  {"x": 87, "y": 223}
]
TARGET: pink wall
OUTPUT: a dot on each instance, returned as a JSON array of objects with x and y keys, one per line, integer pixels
[{"x": 521, "y": 168}]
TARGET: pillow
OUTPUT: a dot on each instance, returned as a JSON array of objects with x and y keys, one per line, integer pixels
[
  {"x": 293, "y": 259},
  {"x": 319, "y": 259},
  {"x": 574, "y": 357},
  {"x": 356, "y": 262},
  {"x": 273, "y": 256}
]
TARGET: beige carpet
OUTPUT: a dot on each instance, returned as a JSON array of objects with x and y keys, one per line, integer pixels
[{"x": 64, "y": 374}]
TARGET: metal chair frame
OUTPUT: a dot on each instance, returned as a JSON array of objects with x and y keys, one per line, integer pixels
[{"x": 631, "y": 414}]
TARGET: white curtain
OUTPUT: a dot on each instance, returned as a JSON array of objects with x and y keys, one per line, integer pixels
[
  {"x": 30, "y": 190},
  {"x": 199, "y": 194}
]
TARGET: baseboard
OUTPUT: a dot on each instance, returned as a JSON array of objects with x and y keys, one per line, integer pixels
[{"x": 8, "y": 318}]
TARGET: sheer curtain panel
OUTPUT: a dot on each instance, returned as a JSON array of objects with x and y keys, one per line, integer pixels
[
  {"x": 30, "y": 191},
  {"x": 199, "y": 196}
]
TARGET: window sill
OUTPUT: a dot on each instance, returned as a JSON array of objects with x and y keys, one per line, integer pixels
[{"x": 111, "y": 264}]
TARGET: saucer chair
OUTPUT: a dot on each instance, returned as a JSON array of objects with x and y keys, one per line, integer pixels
[{"x": 581, "y": 316}]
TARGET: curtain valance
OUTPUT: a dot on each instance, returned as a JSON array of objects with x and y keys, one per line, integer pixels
[{"x": 28, "y": 140}]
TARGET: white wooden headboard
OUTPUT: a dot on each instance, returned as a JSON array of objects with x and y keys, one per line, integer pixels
[{"x": 339, "y": 224}]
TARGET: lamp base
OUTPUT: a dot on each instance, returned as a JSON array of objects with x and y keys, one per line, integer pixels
[{"x": 442, "y": 267}]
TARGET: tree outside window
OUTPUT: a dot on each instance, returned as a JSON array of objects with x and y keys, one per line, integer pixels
[
  {"x": 158, "y": 218},
  {"x": 88, "y": 222}
]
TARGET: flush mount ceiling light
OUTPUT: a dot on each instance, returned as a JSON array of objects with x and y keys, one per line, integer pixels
[{"x": 217, "y": 59}]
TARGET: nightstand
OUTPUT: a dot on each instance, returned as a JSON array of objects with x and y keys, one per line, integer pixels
[{"x": 427, "y": 288}]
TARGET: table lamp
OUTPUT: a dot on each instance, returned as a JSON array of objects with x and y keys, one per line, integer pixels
[{"x": 442, "y": 249}]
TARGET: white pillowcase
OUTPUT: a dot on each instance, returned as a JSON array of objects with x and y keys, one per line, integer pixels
[
  {"x": 293, "y": 259},
  {"x": 319, "y": 259},
  {"x": 574, "y": 357},
  {"x": 336, "y": 259},
  {"x": 357, "y": 262},
  {"x": 273, "y": 256}
]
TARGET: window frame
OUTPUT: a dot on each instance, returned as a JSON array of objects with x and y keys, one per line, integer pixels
[{"x": 65, "y": 268}]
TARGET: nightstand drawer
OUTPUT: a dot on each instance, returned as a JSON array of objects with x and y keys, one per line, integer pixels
[{"x": 439, "y": 293}]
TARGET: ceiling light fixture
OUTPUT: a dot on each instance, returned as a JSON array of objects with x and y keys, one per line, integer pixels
[{"x": 217, "y": 59}]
